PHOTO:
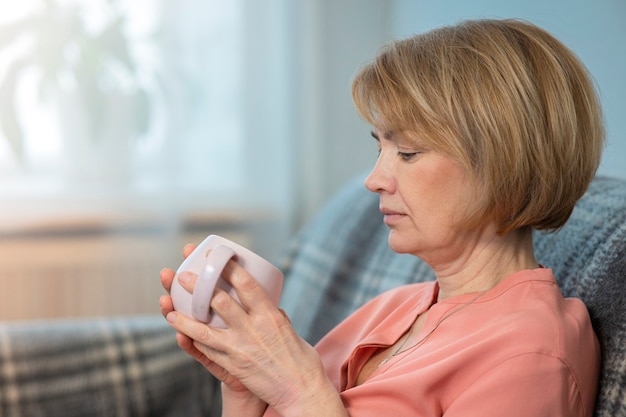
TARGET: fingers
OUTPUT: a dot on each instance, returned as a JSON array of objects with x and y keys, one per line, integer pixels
[
  {"x": 229, "y": 310},
  {"x": 187, "y": 249},
  {"x": 253, "y": 302},
  {"x": 249, "y": 292},
  {"x": 189, "y": 347},
  {"x": 251, "y": 296},
  {"x": 166, "y": 304},
  {"x": 196, "y": 331},
  {"x": 284, "y": 313},
  {"x": 167, "y": 276},
  {"x": 187, "y": 280},
  {"x": 194, "y": 349}
]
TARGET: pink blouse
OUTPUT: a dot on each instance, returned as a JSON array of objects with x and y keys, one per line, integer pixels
[{"x": 518, "y": 350}]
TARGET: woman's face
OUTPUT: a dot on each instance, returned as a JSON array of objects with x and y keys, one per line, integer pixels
[{"x": 424, "y": 197}]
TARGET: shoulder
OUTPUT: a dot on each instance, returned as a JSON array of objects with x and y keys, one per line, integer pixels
[
  {"x": 528, "y": 334},
  {"x": 536, "y": 324},
  {"x": 533, "y": 301}
]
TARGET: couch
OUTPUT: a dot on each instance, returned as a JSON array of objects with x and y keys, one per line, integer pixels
[{"x": 131, "y": 366}]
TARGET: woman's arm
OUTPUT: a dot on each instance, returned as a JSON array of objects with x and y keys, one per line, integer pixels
[{"x": 234, "y": 405}]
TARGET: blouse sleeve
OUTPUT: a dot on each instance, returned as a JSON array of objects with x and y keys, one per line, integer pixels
[{"x": 532, "y": 384}]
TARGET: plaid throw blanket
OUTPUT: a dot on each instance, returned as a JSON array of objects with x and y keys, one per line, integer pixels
[{"x": 101, "y": 368}]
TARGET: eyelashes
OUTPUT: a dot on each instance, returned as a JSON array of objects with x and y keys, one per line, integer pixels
[
  {"x": 405, "y": 156},
  {"x": 408, "y": 156}
]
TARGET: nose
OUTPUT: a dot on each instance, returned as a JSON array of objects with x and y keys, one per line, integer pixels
[{"x": 379, "y": 178}]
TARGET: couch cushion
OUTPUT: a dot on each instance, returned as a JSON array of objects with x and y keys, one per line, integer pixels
[
  {"x": 100, "y": 368},
  {"x": 341, "y": 259}
]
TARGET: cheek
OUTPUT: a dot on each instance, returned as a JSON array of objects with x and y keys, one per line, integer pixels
[
  {"x": 468, "y": 201},
  {"x": 432, "y": 206},
  {"x": 448, "y": 194},
  {"x": 438, "y": 192}
]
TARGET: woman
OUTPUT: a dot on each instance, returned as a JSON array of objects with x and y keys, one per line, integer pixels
[{"x": 485, "y": 130}]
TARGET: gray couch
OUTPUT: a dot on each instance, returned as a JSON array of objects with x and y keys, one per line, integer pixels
[{"x": 132, "y": 366}]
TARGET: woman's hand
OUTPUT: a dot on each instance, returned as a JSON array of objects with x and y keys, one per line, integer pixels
[
  {"x": 259, "y": 349},
  {"x": 233, "y": 392}
]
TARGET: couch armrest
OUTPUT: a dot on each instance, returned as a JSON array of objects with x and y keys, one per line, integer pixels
[{"x": 127, "y": 366}]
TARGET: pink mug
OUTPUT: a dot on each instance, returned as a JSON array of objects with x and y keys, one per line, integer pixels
[{"x": 207, "y": 261}]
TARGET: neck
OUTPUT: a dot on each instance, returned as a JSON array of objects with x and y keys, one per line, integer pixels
[{"x": 484, "y": 264}]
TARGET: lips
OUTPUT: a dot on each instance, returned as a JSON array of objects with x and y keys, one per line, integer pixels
[
  {"x": 391, "y": 216},
  {"x": 387, "y": 211}
]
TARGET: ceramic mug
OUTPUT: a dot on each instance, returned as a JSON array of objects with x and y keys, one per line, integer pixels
[{"x": 207, "y": 261}]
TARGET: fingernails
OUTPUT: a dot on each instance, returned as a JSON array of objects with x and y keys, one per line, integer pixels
[
  {"x": 184, "y": 278},
  {"x": 171, "y": 317}
]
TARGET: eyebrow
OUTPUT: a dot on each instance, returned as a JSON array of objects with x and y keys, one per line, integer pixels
[{"x": 386, "y": 135}]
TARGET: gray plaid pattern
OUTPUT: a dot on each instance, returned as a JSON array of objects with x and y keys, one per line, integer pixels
[{"x": 101, "y": 368}]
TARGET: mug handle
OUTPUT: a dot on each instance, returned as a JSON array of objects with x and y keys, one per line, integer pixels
[{"x": 207, "y": 280}]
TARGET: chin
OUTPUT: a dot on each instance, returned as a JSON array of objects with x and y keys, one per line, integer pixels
[{"x": 400, "y": 244}]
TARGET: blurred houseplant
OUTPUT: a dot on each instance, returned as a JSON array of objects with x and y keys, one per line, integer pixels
[{"x": 89, "y": 76}]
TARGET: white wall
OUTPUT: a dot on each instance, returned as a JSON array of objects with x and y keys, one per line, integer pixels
[{"x": 329, "y": 40}]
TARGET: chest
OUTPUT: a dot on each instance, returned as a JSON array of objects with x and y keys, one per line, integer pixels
[{"x": 380, "y": 356}]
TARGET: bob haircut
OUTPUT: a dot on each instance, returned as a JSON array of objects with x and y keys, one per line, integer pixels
[{"x": 507, "y": 101}]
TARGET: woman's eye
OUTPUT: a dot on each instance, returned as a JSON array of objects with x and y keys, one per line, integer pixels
[{"x": 408, "y": 156}]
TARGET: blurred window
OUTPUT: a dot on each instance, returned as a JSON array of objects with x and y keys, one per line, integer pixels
[{"x": 123, "y": 97}]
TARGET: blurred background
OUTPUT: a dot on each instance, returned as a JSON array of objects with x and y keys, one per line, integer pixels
[{"x": 131, "y": 127}]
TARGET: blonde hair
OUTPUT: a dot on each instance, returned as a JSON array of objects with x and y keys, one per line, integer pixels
[{"x": 503, "y": 98}]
